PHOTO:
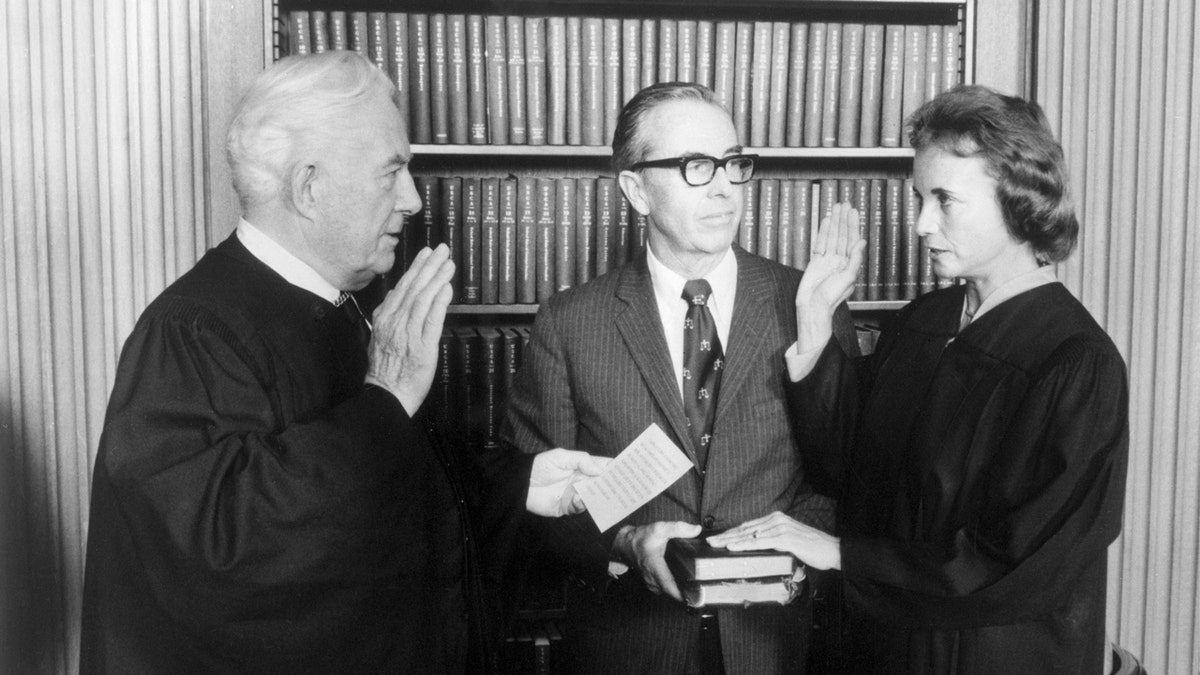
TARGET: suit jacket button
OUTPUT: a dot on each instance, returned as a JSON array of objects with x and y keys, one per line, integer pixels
[{"x": 708, "y": 522}]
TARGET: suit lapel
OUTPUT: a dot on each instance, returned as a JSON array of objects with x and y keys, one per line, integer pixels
[
  {"x": 752, "y": 318},
  {"x": 641, "y": 327}
]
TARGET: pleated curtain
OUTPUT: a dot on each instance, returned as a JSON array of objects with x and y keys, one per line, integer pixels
[
  {"x": 101, "y": 205},
  {"x": 1120, "y": 81}
]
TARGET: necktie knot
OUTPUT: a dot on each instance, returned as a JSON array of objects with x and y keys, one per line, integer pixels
[{"x": 696, "y": 292}]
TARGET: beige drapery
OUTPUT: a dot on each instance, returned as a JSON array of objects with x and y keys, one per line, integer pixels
[
  {"x": 1120, "y": 80},
  {"x": 101, "y": 203}
]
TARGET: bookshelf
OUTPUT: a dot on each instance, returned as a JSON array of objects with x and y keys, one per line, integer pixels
[{"x": 511, "y": 105}]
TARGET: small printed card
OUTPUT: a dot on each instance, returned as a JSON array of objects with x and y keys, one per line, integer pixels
[{"x": 649, "y": 465}]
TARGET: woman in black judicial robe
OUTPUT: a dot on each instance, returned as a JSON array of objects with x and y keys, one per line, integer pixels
[{"x": 979, "y": 454}]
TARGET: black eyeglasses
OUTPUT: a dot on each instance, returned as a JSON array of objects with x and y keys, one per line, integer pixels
[{"x": 699, "y": 170}]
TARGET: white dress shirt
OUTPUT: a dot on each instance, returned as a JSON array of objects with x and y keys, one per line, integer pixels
[{"x": 672, "y": 308}]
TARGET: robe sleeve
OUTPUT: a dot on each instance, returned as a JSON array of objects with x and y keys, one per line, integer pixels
[
  {"x": 1047, "y": 506},
  {"x": 235, "y": 513}
]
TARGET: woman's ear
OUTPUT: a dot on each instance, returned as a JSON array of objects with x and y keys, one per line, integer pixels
[{"x": 631, "y": 185}]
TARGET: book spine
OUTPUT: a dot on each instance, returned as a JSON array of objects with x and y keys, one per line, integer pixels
[
  {"x": 442, "y": 392},
  {"x": 748, "y": 231},
  {"x": 401, "y": 51},
  {"x": 951, "y": 57},
  {"x": 545, "y": 238},
  {"x": 472, "y": 257},
  {"x": 459, "y": 110},
  {"x": 605, "y": 223},
  {"x": 497, "y": 80},
  {"x": 914, "y": 73},
  {"x": 506, "y": 252},
  {"x": 526, "y": 240},
  {"x": 641, "y": 224},
  {"x": 612, "y": 78},
  {"x": 926, "y": 280},
  {"x": 377, "y": 42},
  {"x": 859, "y": 198},
  {"x": 439, "y": 79},
  {"x": 649, "y": 52},
  {"x": 850, "y": 96},
  {"x": 778, "y": 108},
  {"x": 359, "y": 35},
  {"x": 510, "y": 360},
  {"x": 797, "y": 81},
  {"x": 477, "y": 80},
  {"x": 319, "y": 31},
  {"x": 743, "y": 64},
  {"x": 880, "y": 268},
  {"x": 759, "y": 115},
  {"x": 872, "y": 86},
  {"x": 490, "y": 229},
  {"x": 897, "y": 266},
  {"x": 631, "y": 58},
  {"x": 564, "y": 252},
  {"x": 891, "y": 102},
  {"x": 467, "y": 396},
  {"x": 933, "y": 62},
  {"x": 768, "y": 217},
  {"x": 804, "y": 223},
  {"x": 685, "y": 53},
  {"x": 593, "y": 81},
  {"x": 585, "y": 229},
  {"x": 429, "y": 218},
  {"x": 833, "y": 79},
  {"x": 299, "y": 35},
  {"x": 905, "y": 230},
  {"x": 339, "y": 31},
  {"x": 814, "y": 88},
  {"x": 451, "y": 229},
  {"x": 786, "y": 223},
  {"x": 515, "y": 48},
  {"x": 667, "y": 41},
  {"x": 723, "y": 78},
  {"x": 535, "y": 77},
  {"x": 574, "y": 81},
  {"x": 556, "y": 93},
  {"x": 621, "y": 240},
  {"x": 705, "y": 42},
  {"x": 489, "y": 372}
]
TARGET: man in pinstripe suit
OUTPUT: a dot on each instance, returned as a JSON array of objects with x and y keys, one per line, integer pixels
[{"x": 606, "y": 359}]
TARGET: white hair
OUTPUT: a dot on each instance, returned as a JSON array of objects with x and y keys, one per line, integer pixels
[{"x": 297, "y": 105}]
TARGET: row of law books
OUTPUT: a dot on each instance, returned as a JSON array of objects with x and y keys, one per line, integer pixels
[
  {"x": 476, "y": 367},
  {"x": 475, "y": 79},
  {"x": 519, "y": 240}
]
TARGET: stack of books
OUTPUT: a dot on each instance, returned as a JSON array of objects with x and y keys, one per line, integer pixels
[{"x": 711, "y": 577}]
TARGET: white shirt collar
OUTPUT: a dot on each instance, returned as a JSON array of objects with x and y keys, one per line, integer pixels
[
  {"x": 1011, "y": 289},
  {"x": 668, "y": 295},
  {"x": 294, "y": 270}
]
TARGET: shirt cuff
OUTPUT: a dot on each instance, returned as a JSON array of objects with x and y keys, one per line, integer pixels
[{"x": 800, "y": 364}]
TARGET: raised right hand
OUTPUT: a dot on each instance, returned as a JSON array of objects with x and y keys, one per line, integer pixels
[
  {"x": 407, "y": 327},
  {"x": 829, "y": 279}
]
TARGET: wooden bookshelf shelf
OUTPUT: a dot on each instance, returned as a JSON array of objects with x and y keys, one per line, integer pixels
[
  {"x": 856, "y": 306},
  {"x": 534, "y": 151}
]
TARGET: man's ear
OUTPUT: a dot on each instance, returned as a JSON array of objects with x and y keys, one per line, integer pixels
[
  {"x": 302, "y": 189},
  {"x": 631, "y": 185}
]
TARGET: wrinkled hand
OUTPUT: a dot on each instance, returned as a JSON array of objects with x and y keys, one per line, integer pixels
[
  {"x": 830, "y": 277},
  {"x": 552, "y": 482},
  {"x": 780, "y": 532},
  {"x": 642, "y": 547},
  {"x": 407, "y": 326}
]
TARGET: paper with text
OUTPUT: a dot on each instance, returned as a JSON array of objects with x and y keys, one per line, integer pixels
[{"x": 649, "y": 465}]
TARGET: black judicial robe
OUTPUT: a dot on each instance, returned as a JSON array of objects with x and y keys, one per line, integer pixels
[
  {"x": 980, "y": 482},
  {"x": 256, "y": 508}
]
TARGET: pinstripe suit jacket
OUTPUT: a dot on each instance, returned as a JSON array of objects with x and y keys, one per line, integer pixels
[{"x": 596, "y": 373}]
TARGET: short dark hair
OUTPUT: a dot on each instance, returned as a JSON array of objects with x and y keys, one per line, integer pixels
[
  {"x": 629, "y": 145},
  {"x": 1013, "y": 138}
]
